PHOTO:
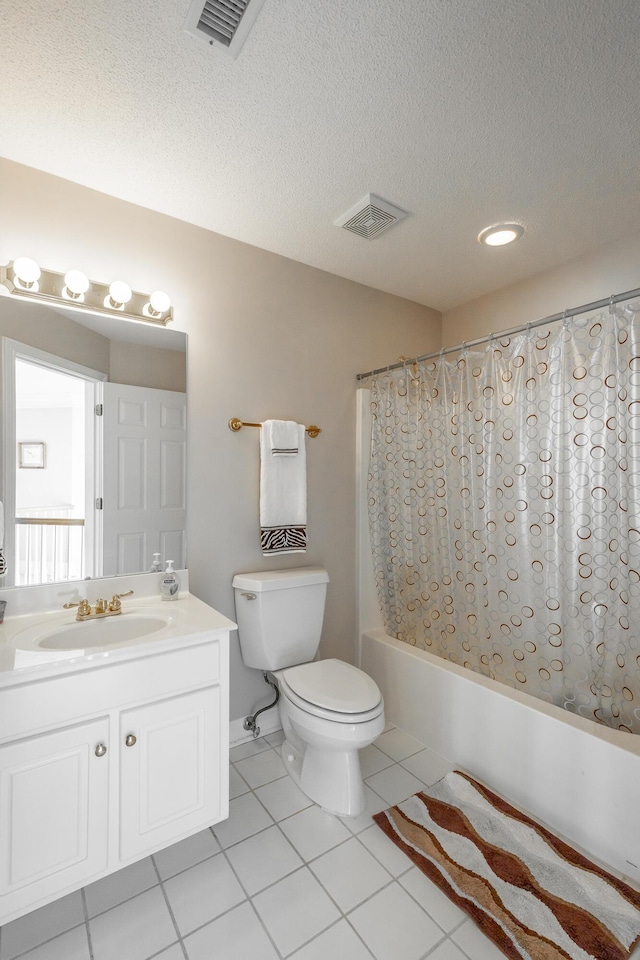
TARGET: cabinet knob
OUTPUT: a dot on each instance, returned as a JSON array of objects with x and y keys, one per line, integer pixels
[
  {"x": 101, "y": 750},
  {"x": 130, "y": 739}
]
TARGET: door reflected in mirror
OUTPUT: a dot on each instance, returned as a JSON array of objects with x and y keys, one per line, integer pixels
[{"x": 93, "y": 444}]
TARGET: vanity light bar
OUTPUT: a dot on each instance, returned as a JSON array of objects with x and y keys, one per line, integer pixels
[{"x": 72, "y": 290}]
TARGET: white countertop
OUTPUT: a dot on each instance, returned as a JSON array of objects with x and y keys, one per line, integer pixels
[{"x": 22, "y": 658}]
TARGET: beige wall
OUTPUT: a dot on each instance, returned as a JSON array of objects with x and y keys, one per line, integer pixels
[
  {"x": 145, "y": 366},
  {"x": 268, "y": 337},
  {"x": 612, "y": 269},
  {"x": 141, "y": 365},
  {"x": 41, "y": 327}
]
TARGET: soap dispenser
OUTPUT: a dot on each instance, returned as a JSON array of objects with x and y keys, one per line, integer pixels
[
  {"x": 169, "y": 583},
  {"x": 156, "y": 566}
]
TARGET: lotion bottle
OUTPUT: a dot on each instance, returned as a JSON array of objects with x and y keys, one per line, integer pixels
[{"x": 169, "y": 583}]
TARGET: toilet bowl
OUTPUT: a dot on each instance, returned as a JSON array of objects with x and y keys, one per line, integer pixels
[{"x": 329, "y": 711}]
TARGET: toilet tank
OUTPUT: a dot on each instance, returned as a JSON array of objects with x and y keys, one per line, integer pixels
[{"x": 280, "y": 614}]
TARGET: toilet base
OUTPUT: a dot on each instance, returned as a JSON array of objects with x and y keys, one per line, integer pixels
[{"x": 331, "y": 779}]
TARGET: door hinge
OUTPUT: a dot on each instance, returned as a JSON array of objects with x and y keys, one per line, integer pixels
[
  {"x": 98, "y": 503},
  {"x": 99, "y": 409}
]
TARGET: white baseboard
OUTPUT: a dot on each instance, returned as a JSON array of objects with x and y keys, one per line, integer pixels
[{"x": 269, "y": 722}]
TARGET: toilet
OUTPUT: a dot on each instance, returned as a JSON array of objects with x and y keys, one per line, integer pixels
[{"x": 329, "y": 709}]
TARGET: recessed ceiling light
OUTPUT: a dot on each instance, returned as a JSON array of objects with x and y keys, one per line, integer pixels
[{"x": 500, "y": 234}]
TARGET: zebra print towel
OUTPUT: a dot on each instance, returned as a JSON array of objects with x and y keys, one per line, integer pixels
[
  {"x": 283, "y": 488},
  {"x": 528, "y": 891}
]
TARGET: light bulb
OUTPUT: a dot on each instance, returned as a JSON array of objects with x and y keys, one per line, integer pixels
[
  {"x": 119, "y": 294},
  {"x": 500, "y": 237},
  {"x": 500, "y": 234},
  {"x": 159, "y": 303},
  {"x": 76, "y": 284},
  {"x": 26, "y": 272}
]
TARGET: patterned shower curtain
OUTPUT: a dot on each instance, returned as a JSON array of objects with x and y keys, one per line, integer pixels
[{"x": 504, "y": 504}]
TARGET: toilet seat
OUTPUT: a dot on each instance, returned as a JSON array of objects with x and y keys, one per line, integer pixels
[{"x": 333, "y": 690}]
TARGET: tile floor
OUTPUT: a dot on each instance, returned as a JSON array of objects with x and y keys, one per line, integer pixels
[{"x": 278, "y": 879}]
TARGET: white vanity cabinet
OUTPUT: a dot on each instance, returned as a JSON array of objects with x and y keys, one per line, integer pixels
[
  {"x": 107, "y": 761},
  {"x": 169, "y": 770},
  {"x": 54, "y": 802}
]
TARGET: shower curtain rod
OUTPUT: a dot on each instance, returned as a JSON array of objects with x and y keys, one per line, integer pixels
[{"x": 574, "y": 312}]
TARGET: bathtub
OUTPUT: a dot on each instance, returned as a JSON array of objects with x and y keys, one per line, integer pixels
[{"x": 579, "y": 778}]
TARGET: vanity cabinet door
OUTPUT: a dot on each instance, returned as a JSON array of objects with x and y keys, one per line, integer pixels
[
  {"x": 170, "y": 781},
  {"x": 53, "y": 813}
]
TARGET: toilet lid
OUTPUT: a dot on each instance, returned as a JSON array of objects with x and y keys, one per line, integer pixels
[{"x": 334, "y": 685}]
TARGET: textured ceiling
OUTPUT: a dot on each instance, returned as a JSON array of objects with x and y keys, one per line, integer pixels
[{"x": 464, "y": 112}]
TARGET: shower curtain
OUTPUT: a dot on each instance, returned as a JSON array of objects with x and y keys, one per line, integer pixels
[{"x": 504, "y": 507}]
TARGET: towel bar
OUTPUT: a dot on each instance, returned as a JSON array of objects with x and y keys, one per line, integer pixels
[{"x": 235, "y": 424}]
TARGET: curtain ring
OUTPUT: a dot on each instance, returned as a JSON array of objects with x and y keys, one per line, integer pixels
[{"x": 612, "y": 305}]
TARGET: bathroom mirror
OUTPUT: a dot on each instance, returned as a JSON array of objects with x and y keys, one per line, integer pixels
[{"x": 93, "y": 446}]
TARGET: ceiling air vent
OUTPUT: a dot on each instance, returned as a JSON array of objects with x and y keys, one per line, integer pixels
[
  {"x": 370, "y": 217},
  {"x": 223, "y": 23}
]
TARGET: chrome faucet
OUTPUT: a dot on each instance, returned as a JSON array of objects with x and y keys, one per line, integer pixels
[{"x": 102, "y": 608}]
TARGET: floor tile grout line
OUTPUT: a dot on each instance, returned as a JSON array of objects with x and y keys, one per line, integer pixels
[
  {"x": 86, "y": 922},
  {"x": 114, "y": 906},
  {"x": 42, "y": 943},
  {"x": 447, "y": 933},
  {"x": 435, "y": 947},
  {"x": 246, "y": 899},
  {"x": 303, "y": 864},
  {"x": 158, "y": 953},
  {"x": 348, "y": 919},
  {"x": 223, "y": 852},
  {"x": 289, "y": 815},
  {"x": 161, "y": 881},
  {"x": 265, "y": 928},
  {"x": 307, "y": 863},
  {"x": 306, "y": 943},
  {"x": 169, "y": 908},
  {"x": 249, "y": 899},
  {"x": 242, "y": 839}
]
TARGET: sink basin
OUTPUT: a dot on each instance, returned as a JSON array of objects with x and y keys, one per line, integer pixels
[
  {"x": 93, "y": 634},
  {"x": 100, "y": 633}
]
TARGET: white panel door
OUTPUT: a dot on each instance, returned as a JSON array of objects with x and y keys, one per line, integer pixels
[
  {"x": 169, "y": 770},
  {"x": 53, "y": 812},
  {"x": 144, "y": 497}
]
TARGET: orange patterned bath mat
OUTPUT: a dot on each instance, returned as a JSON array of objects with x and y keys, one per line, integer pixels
[{"x": 532, "y": 894}]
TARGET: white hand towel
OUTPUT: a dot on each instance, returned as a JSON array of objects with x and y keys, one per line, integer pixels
[{"x": 283, "y": 488}]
